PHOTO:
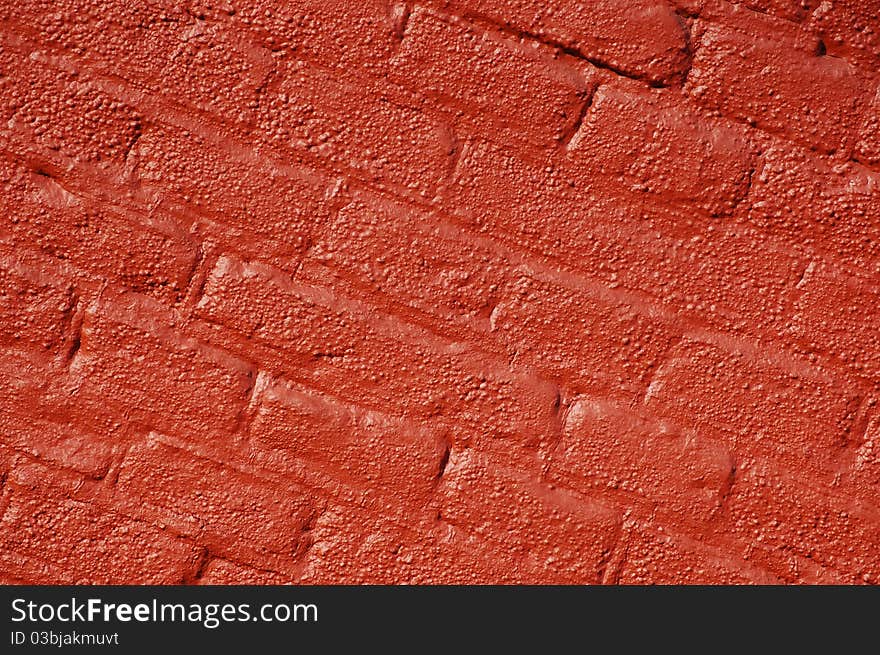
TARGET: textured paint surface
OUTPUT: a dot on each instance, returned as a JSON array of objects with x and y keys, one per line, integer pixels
[{"x": 320, "y": 291}]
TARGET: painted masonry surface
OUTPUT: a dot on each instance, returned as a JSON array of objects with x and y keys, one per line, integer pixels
[{"x": 457, "y": 291}]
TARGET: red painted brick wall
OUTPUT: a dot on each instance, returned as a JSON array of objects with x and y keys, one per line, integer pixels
[{"x": 454, "y": 291}]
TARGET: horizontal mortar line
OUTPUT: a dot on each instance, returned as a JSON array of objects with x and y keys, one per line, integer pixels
[
  {"x": 644, "y": 303},
  {"x": 687, "y": 426},
  {"x": 731, "y": 554},
  {"x": 31, "y": 557},
  {"x": 367, "y": 187},
  {"x": 89, "y": 187},
  {"x": 308, "y": 477},
  {"x": 489, "y": 24},
  {"x": 437, "y": 321},
  {"x": 136, "y": 93},
  {"x": 222, "y": 458},
  {"x": 777, "y": 355},
  {"x": 577, "y": 284},
  {"x": 61, "y": 271},
  {"x": 613, "y": 501},
  {"x": 191, "y": 540},
  {"x": 779, "y": 133},
  {"x": 737, "y": 7},
  {"x": 367, "y": 313},
  {"x": 555, "y": 56}
]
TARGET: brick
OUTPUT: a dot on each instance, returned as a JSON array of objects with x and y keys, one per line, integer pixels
[
  {"x": 34, "y": 308},
  {"x": 49, "y": 538},
  {"x": 7, "y": 459},
  {"x": 643, "y": 39},
  {"x": 778, "y": 516},
  {"x": 791, "y": 10},
  {"x": 448, "y": 292},
  {"x": 492, "y": 78},
  {"x": 502, "y": 195},
  {"x": 551, "y": 208},
  {"x": 531, "y": 520},
  {"x": 865, "y": 472},
  {"x": 61, "y": 111},
  {"x": 587, "y": 343},
  {"x": 848, "y": 28},
  {"x": 657, "y": 146},
  {"x": 799, "y": 198},
  {"x": 39, "y": 419},
  {"x": 756, "y": 406},
  {"x": 219, "y": 45},
  {"x": 730, "y": 280},
  {"x": 256, "y": 204},
  {"x": 726, "y": 276},
  {"x": 524, "y": 203},
  {"x": 674, "y": 473},
  {"x": 344, "y": 536},
  {"x": 410, "y": 258},
  {"x": 654, "y": 556},
  {"x": 153, "y": 376},
  {"x": 352, "y": 128},
  {"x": 376, "y": 362},
  {"x": 453, "y": 556},
  {"x": 212, "y": 70},
  {"x": 223, "y": 572},
  {"x": 150, "y": 254},
  {"x": 813, "y": 100},
  {"x": 837, "y": 315},
  {"x": 348, "y": 37},
  {"x": 75, "y": 447},
  {"x": 416, "y": 553},
  {"x": 233, "y": 514},
  {"x": 868, "y": 144},
  {"x": 163, "y": 49},
  {"x": 362, "y": 449}
]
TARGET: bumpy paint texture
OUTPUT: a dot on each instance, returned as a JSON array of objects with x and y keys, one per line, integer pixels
[{"x": 457, "y": 291}]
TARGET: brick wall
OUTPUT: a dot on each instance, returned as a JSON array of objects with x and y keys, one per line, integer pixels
[{"x": 454, "y": 291}]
